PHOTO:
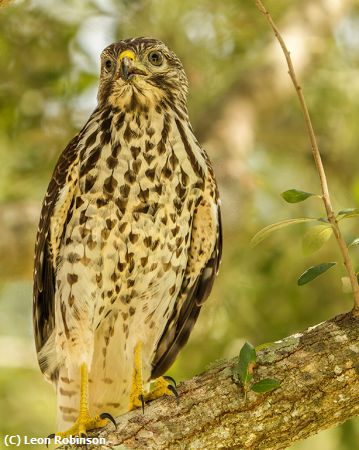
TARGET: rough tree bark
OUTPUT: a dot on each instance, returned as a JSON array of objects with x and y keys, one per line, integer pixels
[{"x": 319, "y": 375}]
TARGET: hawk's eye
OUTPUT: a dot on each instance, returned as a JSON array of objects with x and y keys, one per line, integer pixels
[
  {"x": 155, "y": 58},
  {"x": 109, "y": 64}
]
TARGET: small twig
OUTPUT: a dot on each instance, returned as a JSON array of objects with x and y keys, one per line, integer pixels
[{"x": 318, "y": 160}]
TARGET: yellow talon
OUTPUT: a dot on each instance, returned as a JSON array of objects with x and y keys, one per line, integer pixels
[
  {"x": 160, "y": 385},
  {"x": 160, "y": 388},
  {"x": 82, "y": 425}
]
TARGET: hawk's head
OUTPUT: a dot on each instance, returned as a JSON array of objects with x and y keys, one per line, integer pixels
[{"x": 141, "y": 71}]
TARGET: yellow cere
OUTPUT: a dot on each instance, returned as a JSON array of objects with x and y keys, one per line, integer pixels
[{"x": 127, "y": 54}]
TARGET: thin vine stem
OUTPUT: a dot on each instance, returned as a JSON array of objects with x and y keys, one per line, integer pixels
[{"x": 318, "y": 160}]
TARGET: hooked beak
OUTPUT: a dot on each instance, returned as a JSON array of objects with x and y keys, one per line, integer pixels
[
  {"x": 128, "y": 64},
  {"x": 125, "y": 68}
]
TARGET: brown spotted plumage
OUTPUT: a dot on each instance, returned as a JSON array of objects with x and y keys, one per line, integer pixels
[{"x": 129, "y": 240}]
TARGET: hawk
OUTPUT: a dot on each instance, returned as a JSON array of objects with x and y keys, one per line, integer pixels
[{"x": 128, "y": 244}]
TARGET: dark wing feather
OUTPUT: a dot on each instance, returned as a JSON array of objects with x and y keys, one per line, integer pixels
[
  {"x": 44, "y": 276},
  {"x": 181, "y": 323}
]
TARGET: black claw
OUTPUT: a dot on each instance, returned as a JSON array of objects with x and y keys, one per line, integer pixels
[
  {"x": 172, "y": 380},
  {"x": 174, "y": 392},
  {"x": 142, "y": 398},
  {"x": 50, "y": 436},
  {"x": 109, "y": 417}
]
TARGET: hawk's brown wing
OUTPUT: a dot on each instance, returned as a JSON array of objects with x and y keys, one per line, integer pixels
[
  {"x": 44, "y": 275},
  {"x": 188, "y": 305}
]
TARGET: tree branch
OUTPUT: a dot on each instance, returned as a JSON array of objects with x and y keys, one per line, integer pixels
[{"x": 318, "y": 371}]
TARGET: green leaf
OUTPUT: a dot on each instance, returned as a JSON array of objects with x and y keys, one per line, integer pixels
[
  {"x": 316, "y": 237},
  {"x": 350, "y": 216},
  {"x": 265, "y": 385},
  {"x": 348, "y": 213},
  {"x": 296, "y": 196},
  {"x": 246, "y": 362},
  {"x": 265, "y": 232},
  {"x": 355, "y": 242},
  {"x": 314, "y": 272}
]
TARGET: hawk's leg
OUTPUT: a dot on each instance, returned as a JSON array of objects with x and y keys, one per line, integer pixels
[
  {"x": 84, "y": 421},
  {"x": 136, "y": 395},
  {"x": 161, "y": 386}
]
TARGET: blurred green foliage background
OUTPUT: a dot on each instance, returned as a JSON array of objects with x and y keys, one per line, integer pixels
[{"x": 246, "y": 115}]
